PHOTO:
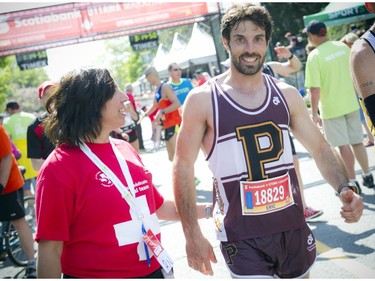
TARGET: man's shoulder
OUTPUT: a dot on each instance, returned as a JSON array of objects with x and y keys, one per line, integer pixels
[{"x": 24, "y": 114}]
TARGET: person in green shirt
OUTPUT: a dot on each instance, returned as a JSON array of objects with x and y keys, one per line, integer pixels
[
  {"x": 333, "y": 94},
  {"x": 16, "y": 126}
]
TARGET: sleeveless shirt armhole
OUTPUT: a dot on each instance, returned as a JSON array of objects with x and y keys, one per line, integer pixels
[{"x": 213, "y": 85}]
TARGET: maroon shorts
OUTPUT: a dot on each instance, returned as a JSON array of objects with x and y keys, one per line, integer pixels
[{"x": 285, "y": 255}]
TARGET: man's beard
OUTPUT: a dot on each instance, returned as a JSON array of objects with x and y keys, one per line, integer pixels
[{"x": 247, "y": 69}]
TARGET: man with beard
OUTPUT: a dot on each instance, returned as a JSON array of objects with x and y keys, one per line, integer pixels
[{"x": 240, "y": 119}]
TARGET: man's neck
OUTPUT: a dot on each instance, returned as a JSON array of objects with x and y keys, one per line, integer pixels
[
  {"x": 176, "y": 81},
  {"x": 321, "y": 41}
]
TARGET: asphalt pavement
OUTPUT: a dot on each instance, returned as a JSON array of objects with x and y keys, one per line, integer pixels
[{"x": 345, "y": 251}]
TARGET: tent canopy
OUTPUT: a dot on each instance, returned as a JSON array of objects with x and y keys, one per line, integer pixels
[
  {"x": 340, "y": 13},
  {"x": 199, "y": 50}
]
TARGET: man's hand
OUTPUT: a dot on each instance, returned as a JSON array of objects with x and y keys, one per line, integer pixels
[
  {"x": 282, "y": 52},
  {"x": 352, "y": 208},
  {"x": 200, "y": 254}
]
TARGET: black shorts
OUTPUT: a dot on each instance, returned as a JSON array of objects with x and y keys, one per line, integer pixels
[
  {"x": 288, "y": 254},
  {"x": 169, "y": 132},
  {"x": 133, "y": 136},
  {"x": 11, "y": 206}
]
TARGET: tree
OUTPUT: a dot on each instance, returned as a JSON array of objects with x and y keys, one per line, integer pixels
[
  {"x": 127, "y": 65},
  {"x": 5, "y": 76},
  {"x": 13, "y": 81},
  {"x": 288, "y": 17}
]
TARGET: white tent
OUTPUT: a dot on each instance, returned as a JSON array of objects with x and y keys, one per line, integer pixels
[
  {"x": 177, "y": 49},
  {"x": 199, "y": 50},
  {"x": 160, "y": 61}
]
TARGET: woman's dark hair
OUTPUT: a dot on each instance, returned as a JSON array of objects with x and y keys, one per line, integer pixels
[
  {"x": 243, "y": 12},
  {"x": 76, "y": 104}
]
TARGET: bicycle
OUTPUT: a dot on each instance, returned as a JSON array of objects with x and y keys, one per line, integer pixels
[{"x": 10, "y": 235}]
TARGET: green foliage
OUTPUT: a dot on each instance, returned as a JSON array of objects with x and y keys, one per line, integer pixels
[
  {"x": 5, "y": 76},
  {"x": 13, "y": 81},
  {"x": 288, "y": 17},
  {"x": 127, "y": 65}
]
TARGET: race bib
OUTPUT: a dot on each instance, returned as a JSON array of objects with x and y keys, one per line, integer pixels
[{"x": 266, "y": 196}]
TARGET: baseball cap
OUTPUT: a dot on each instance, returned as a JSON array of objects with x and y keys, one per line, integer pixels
[
  {"x": 12, "y": 105},
  {"x": 316, "y": 27},
  {"x": 370, "y": 6},
  {"x": 42, "y": 87}
]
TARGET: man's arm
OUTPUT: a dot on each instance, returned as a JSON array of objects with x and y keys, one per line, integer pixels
[
  {"x": 168, "y": 93},
  {"x": 5, "y": 167},
  {"x": 327, "y": 160},
  {"x": 362, "y": 67},
  {"x": 286, "y": 68},
  {"x": 199, "y": 251},
  {"x": 148, "y": 111},
  {"x": 168, "y": 211},
  {"x": 314, "y": 102}
]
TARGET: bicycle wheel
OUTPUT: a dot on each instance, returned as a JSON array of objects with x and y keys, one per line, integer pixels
[{"x": 12, "y": 241}]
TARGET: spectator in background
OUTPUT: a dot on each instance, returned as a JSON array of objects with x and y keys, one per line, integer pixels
[
  {"x": 16, "y": 125},
  {"x": 362, "y": 62},
  {"x": 349, "y": 40},
  {"x": 201, "y": 79},
  {"x": 129, "y": 92},
  {"x": 157, "y": 128},
  {"x": 168, "y": 104},
  {"x": 180, "y": 86},
  {"x": 11, "y": 200},
  {"x": 128, "y": 131},
  {"x": 15, "y": 150},
  {"x": 333, "y": 93},
  {"x": 38, "y": 145},
  {"x": 292, "y": 41}
]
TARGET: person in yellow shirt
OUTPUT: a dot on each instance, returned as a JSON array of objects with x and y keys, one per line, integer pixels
[{"x": 16, "y": 126}]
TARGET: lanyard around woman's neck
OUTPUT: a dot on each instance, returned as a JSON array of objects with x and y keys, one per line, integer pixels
[{"x": 128, "y": 195}]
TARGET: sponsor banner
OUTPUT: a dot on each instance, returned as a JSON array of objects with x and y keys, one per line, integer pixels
[{"x": 35, "y": 29}]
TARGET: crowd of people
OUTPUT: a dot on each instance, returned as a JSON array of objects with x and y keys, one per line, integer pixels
[{"x": 84, "y": 150}]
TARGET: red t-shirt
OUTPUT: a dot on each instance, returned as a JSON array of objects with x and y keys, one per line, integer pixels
[
  {"x": 76, "y": 203},
  {"x": 15, "y": 180}
]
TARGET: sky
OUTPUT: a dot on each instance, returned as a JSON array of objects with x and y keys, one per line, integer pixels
[{"x": 63, "y": 59}]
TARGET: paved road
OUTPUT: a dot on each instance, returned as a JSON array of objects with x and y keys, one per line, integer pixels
[{"x": 345, "y": 250}]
